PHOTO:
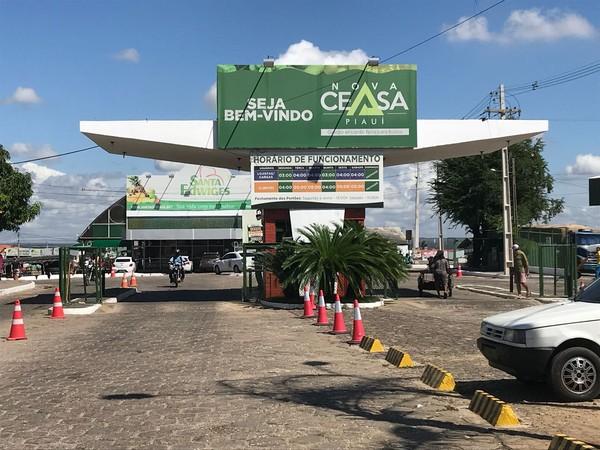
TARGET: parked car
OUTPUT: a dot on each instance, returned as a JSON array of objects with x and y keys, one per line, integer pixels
[
  {"x": 124, "y": 264},
  {"x": 558, "y": 343},
  {"x": 207, "y": 261},
  {"x": 229, "y": 262},
  {"x": 188, "y": 265}
]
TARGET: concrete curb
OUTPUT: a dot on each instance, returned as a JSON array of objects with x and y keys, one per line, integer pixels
[
  {"x": 14, "y": 289},
  {"x": 276, "y": 305},
  {"x": 544, "y": 300},
  {"x": 91, "y": 309},
  {"x": 369, "y": 305},
  {"x": 128, "y": 293}
]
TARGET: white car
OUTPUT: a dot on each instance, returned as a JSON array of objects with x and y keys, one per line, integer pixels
[
  {"x": 124, "y": 264},
  {"x": 188, "y": 265},
  {"x": 229, "y": 262},
  {"x": 558, "y": 343}
]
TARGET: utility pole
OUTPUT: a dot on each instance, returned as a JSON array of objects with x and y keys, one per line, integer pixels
[
  {"x": 440, "y": 227},
  {"x": 507, "y": 221},
  {"x": 416, "y": 237},
  {"x": 507, "y": 232}
]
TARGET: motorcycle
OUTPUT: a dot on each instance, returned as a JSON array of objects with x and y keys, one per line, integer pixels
[{"x": 176, "y": 274}]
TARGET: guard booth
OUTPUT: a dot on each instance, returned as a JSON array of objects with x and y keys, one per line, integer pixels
[{"x": 72, "y": 262}]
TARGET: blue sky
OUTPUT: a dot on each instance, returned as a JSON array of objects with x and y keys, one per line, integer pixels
[{"x": 109, "y": 60}]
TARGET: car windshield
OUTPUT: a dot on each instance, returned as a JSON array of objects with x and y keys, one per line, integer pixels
[
  {"x": 591, "y": 293},
  {"x": 122, "y": 260}
]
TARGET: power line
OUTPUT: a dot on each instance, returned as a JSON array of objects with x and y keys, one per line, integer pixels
[
  {"x": 58, "y": 155},
  {"x": 444, "y": 31},
  {"x": 406, "y": 50}
]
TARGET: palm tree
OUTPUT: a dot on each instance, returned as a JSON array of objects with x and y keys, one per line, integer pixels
[{"x": 348, "y": 250}]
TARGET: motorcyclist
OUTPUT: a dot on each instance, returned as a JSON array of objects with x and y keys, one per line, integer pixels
[{"x": 176, "y": 261}]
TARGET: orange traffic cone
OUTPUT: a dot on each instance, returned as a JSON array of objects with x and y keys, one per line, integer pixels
[
  {"x": 17, "y": 328},
  {"x": 358, "y": 330},
  {"x": 57, "y": 307},
  {"x": 321, "y": 311},
  {"x": 312, "y": 300},
  {"x": 308, "y": 310},
  {"x": 339, "y": 327},
  {"x": 132, "y": 280},
  {"x": 112, "y": 273},
  {"x": 124, "y": 284},
  {"x": 459, "y": 272}
]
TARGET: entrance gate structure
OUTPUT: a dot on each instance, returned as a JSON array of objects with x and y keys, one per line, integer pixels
[{"x": 316, "y": 139}]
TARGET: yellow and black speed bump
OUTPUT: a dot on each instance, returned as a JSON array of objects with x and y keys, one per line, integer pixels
[
  {"x": 398, "y": 358},
  {"x": 438, "y": 378},
  {"x": 371, "y": 344},
  {"x": 563, "y": 442},
  {"x": 492, "y": 409}
]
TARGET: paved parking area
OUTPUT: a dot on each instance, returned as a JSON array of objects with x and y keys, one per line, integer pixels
[{"x": 175, "y": 368}]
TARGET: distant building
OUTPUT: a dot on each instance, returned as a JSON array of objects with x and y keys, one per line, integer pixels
[{"x": 197, "y": 210}]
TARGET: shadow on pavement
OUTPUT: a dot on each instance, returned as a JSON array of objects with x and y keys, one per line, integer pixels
[
  {"x": 186, "y": 295},
  {"x": 131, "y": 396},
  {"x": 356, "y": 397},
  {"x": 516, "y": 392}
]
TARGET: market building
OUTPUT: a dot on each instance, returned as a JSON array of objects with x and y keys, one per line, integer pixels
[{"x": 199, "y": 210}]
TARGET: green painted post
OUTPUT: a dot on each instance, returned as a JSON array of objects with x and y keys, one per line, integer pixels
[
  {"x": 244, "y": 273},
  {"x": 541, "y": 270}
]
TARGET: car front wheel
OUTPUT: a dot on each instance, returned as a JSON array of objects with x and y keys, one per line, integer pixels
[
  {"x": 217, "y": 270},
  {"x": 575, "y": 374}
]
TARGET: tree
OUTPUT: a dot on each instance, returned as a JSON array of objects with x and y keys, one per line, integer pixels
[
  {"x": 348, "y": 250},
  {"x": 16, "y": 190},
  {"x": 468, "y": 191}
]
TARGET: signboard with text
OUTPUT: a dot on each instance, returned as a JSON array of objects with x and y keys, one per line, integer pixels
[
  {"x": 335, "y": 179},
  {"x": 316, "y": 106},
  {"x": 191, "y": 190}
]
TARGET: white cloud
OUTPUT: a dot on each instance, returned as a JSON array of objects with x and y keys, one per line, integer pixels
[
  {"x": 210, "y": 97},
  {"x": 40, "y": 173},
  {"x": 168, "y": 166},
  {"x": 21, "y": 150},
  {"x": 587, "y": 164},
  {"x": 474, "y": 30},
  {"x": 529, "y": 25},
  {"x": 128, "y": 55},
  {"x": 399, "y": 201},
  {"x": 62, "y": 197},
  {"x": 23, "y": 95},
  {"x": 305, "y": 52}
]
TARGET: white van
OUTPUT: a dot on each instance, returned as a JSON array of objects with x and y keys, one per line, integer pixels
[{"x": 558, "y": 343}]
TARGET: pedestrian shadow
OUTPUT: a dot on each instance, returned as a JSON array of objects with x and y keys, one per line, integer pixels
[
  {"x": 185, "y": 295},
  {"x": 517, "y": 392},
  {"x": 356, "y": 396}
]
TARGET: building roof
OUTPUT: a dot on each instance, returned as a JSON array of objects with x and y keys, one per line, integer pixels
[{"x": 194, "y": 142}]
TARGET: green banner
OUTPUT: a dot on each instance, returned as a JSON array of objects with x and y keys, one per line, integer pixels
[{"x": 317, "y": 106}]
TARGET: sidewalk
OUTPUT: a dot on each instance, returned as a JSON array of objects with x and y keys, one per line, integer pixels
[{"x": 499, "y": 286}]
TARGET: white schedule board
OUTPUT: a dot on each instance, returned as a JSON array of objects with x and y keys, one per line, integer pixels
[{"x": 317, "y": 178}]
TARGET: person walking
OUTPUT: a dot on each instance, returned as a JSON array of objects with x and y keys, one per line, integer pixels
[
  {"x": 521, "y": 266},
  {"x": 441, "y": 269}
]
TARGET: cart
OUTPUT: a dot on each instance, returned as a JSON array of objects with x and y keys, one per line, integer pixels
[{"x": 426, "y": 282}]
